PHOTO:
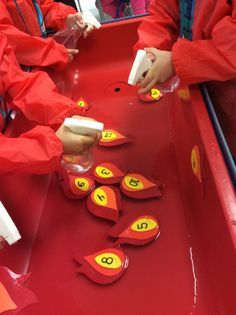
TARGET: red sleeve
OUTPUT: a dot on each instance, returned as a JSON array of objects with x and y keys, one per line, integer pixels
[
  {"x": 37, "y": 151},
  {"x": 161, "y": 28},
  {"x": 31, "y": 50},
  {"x": 55, "y": 13},
  {"x": 34, "y": 94},
  {"x": 212, "y": 59}
]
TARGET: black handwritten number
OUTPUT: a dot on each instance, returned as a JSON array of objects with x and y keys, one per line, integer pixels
[
  {"x": 80, "y": 184},
  {"x": 105, "y": 172},
  {"x": 142, "y": 226},
  {"x": 107, "y": 260},
  {"x": 108, "y": 135},
  {"x": 133, "y": 182},
  {"x": 101, "y": 197},
  {"x": 154, "y": 92}
]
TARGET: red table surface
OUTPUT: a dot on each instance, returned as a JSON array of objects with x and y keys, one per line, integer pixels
[{"x": 190, "y": 268}]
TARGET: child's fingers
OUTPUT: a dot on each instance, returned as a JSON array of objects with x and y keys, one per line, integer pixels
[
  {"x": 72, "y": 51},
  {"x": 79, "y": 144},
  {"x": 79, "y": 18},
  {"x": 151, "y": 57},
  {"x": 88, "y": 30},
  {"x": 99, "y": 136},
  {"x": 151, "y": 53},
  {"x": 89, "y": 139},
  {"x": 2, "y": 242},
  {"x": 152, "y": 50},
  {"x": 70, "y": 58},
  {"x": 82, "y": 117},
  {"x": 87, "y": 142},
  {"x": 148, "y": 78},
  {"x": 147, "y": 87}
]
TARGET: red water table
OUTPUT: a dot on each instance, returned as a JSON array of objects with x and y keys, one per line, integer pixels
[{"x": 190, "y": 267}]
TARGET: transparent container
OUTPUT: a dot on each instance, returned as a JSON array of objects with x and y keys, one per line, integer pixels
[
  {"x": 78, "y": 163},
  {"x": 159, "y": 90},
  {"x": 69, "y": 36},
  {"x": 170, "y": 85}
]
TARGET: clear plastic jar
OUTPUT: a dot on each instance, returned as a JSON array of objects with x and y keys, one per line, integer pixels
[
  {"x": 78, "y": 163},
  {"x": 170, "y": 85},
  {"x": 69, "y": 36}
]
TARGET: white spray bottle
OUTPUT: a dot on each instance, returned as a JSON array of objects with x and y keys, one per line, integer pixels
[
  {"x": 69, "y": 36},
  {"x": 81, "y": 163},
  {"x": 8, "y": 230},
  {"x": 141, "y": 65}
]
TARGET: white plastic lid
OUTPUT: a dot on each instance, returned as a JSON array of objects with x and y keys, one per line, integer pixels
[
  {"x": 140, "y": 65},
  {"x": 82, "y": 126},
  {"x": 8, "y": 230},
  {"x": 13, "y": 238}
]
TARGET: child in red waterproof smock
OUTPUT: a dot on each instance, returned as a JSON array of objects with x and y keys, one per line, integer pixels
[
  {"x": 40, "y": 149},
  {"x": 25, "y": 22},
  {"x": 204, "y": 51}
]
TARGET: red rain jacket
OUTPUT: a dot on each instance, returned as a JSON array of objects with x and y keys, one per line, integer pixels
[
  {"x": 23, "y": 31},
  {"x": 33, "y": 94},
  {"x": 211, "y": 55}
]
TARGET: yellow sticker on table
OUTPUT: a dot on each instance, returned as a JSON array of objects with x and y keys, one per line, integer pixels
[
  {"x": 82, "y": 183},
  {"x": 108, "y": 260},
  {"x": 155, "y": 93},
  {"x": 143, "y": 225},
  {"x": 195, "y": 162},
  {"x": 109, "y": 135},
  {"x": 100, "y": 197},
  {"x": 133, "y": 183},
  {"x": 103, "y": 172}
]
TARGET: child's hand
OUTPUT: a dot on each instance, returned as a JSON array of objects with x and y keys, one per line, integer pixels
[
  {"x": 98, "y": 134},
  {"x": 150, "y": 53},
  {"x": 161, "y": 70},
  {"x": 71, "y": 53},
  {"x": 75, "y": 144},
  {"x": 76, "y": 19},
  {"x": 88, "y": 29},
  {"x": 2, "y": 242}
]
